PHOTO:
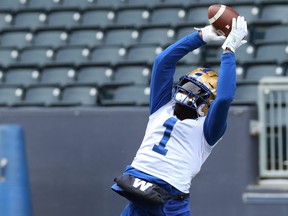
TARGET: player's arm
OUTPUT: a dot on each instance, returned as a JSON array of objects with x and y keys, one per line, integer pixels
[
  {"x": 215, "y": 122},
  {"x": 164, "y": 68}
]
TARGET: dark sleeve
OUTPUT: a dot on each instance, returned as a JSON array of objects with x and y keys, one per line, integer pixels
[
  {"x": 215, "y": 122},
  {"x": 164, "y": 69}
]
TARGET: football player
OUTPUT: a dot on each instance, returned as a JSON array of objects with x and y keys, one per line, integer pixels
[{"x": 185, "y": 123}]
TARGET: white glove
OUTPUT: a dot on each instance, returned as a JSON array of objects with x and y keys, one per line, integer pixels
[
  {"x": 238, "y": 32},
  {"x": 209, "y": 34}
]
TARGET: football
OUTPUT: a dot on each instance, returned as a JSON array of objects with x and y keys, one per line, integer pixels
[{"x": 220, "y": 17}]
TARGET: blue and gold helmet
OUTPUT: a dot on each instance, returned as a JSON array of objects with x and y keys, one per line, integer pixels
[{"x": 197, "y": 90}]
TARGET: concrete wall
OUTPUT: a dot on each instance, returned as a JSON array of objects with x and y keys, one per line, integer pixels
[{"x": 74, "y": 154}]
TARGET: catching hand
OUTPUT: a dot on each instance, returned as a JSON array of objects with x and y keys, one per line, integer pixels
[
  {"x": 238, "y": 32},
  {"x": 209, "y": 34}
]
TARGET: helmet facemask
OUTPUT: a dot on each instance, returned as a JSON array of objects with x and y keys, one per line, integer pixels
[{"x": 193, "y": 92}]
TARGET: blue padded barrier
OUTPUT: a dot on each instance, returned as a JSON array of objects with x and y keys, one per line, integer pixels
[{"x": 15, "y": 199}]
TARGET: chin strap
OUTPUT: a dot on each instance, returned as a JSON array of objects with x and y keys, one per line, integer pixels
[{"x": 199, "y": 110}]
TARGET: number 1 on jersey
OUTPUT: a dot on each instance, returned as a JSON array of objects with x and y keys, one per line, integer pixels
[{"x": 160, "y": 148}]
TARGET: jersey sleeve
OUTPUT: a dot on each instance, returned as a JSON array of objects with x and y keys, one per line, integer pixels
[
  {"x": 215, "y": 122},
  {"x": 164, "y": 68}
]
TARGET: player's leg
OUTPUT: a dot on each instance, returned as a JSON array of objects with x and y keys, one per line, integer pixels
[
  {"x": 132, "y": 210},
  {"x": 128, "y": 210},
  {"x": 174, "y": 207},
  {"x": 170, "y": 208}
]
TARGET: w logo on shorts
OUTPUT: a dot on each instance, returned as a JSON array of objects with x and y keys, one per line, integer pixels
[
  {"x": 142, "y": 189},
  {"x": 143, "y": 184}
]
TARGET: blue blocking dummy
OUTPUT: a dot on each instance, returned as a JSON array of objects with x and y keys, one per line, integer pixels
[{"x": 15, "y": 199}]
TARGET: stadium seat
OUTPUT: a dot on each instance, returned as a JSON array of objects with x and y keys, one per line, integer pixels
[
  {"x": 246, "y": 94},
  {"x": 143, "y": 54},
  {"x": 182, "y": 70},
  {"x": 240, "y": 73},
  {"x": 21, "y": 76},
  {"x": 183, "y": 31},
  {"x": 255, "y": 72},
  {"x": 274, "y": 13},
  {"x": 250, "y": 12},
  {"x": 98, "y": 17},
  {"x": 194, "y": 57},
  {"x": 36, "y": 55},
  {"x": 5, "y": 20},
  {"x": 216, "y": 68},
  {"x": 108, "y": 54},
  {"x": 109, "y": 3},
  {"x": 213, "y": 54},
  {"x": 161, "y": 36},
  {"x": 132, "y": 75},
  {"x": 79, "y": 96},
  {"x": 195, "y": 16},
  {"x": 168, "y": 16},
  {"x": 272, "y": 52},
  {"x": 17, "y": 39},
  {"x": 240, "y": 70},
  {"x": 1, "y": 76},
  {"x": 133, "y": 3},
  {"x": 60, "y": 76},
  {"x": 135, "y": 17},
  {"x": 72, "y": 55},
  {"x": 83, "y": 4},
  {"x": 86, "y": 37},
  {"x": 97, "y": 75},
  {"x": 245, "y": 53},
  {"x": 8, "y": 56},
  {"x": 10, "y": 95},
  {"x": 30, "y": 19},
  {"x": 64, "y": 19},
  {"x": 181, "y": 2},
  {"x": 52, "y": 38},
  {"x": 126, "y": 96},
  {"x": 46, "y": 4},
  {"x": 124, "y": 37},
  {"x": 237, "y": 2},
  {"x": 41, "y": 96},
  {"x": 221, "y": 1},
  {"x": 12, "y": 4},
  {"x": 270, "y": 34}
]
